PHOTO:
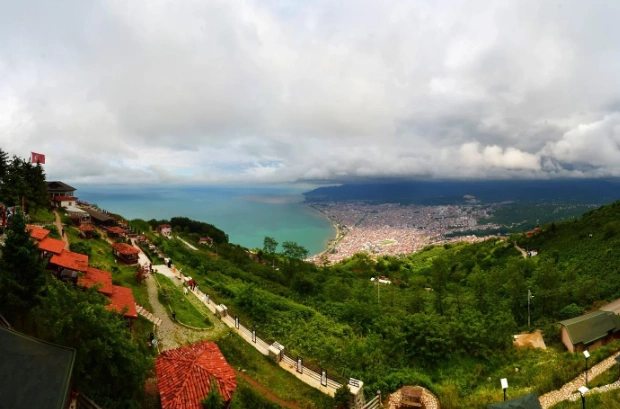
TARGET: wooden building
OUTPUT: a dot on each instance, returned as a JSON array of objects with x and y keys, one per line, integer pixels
[
  {"x": 199, "y": 368},
  {"x": 126, "y": 253},
  {"x": 99, "y": 218},
  {"x": 86, "y": 231},
  {"x": 57, "y": 188},
  {"x": 67, "y": 265},
  {"x": 590, "y": 331},
  {"x": 116, "y": 232}
]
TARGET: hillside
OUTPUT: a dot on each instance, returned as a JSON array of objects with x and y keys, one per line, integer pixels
[{"x": 447, "y": 320}]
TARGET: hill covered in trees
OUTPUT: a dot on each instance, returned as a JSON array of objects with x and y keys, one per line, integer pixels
[{"x": 447, "y": 321}]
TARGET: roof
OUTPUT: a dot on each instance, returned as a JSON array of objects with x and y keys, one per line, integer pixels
[
  {"x": 184, "y": 375},
  {"x": 57, "y": 185},
  {"x": 37, "y": 233},
  {"x": 95, "y": 276},
  {"x": 63, "y": 198},
  {"x": 122, "y": 298},
  {"x": 529, "y": 401},
  {"x": 70, "y": 260},
  {"x": 34, "y": 373},
  {"x": 99, "y": 216},
  {"x": 164, "y": 226},
  {"x": 117, "y": 230},
  {"x": 591, "y": 327},
  {"x": 125, "y": 248},
  {"x": 86, "y": 227},
  {"x": 52, "y": 245}
]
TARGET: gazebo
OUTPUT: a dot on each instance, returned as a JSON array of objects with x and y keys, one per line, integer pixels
[
  {"x": 86, "y": 230},
  {"x": 411, "y": 397},
  {"x": 126, "y": 253},
  {"x": 116, "y": 232},
  {"x": 186, "y": 375}
]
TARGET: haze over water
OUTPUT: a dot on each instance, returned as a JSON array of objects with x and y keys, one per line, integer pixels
[{"x": 247, "y": 215}]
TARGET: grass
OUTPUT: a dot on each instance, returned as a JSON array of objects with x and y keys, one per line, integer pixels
[
  {"x": 42, "y": 216},
  {"x": 608, "y": 400},
  {"x": 284, "y": 385},
  {"x": 609, "y": 376},
  {"x": 186, "y": 313}
]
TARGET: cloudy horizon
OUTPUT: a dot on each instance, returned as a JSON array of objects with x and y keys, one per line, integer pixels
[{"x": 219, "y": 92}]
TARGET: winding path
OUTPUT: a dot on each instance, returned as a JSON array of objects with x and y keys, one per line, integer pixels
[{"x": 58, "y": 224}]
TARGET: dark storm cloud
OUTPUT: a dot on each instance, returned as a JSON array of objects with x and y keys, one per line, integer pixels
[{"x": 283, "y": 91}]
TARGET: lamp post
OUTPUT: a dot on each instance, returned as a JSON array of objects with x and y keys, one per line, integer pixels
[
  {"x": 504, "y": 383},
  {"x": 587, "y": 355},
  {"x": 583, "y": 390}
]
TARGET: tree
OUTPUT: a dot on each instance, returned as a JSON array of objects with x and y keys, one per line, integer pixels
[
  {"x": 21, "y": 268},
  {"x": 14, "y": 185},
  {"x": 109, "y": 367},
  {"x": 269, "y": 245},
  {"x": 294, "y": 251},
  {"x": 4, "y": 164},
  {"x": 214, "y": 398},
  {"x": 37, "y": 193}
]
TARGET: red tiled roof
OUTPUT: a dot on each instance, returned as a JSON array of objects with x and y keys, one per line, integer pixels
[
  {"x": 70, "y": 260},
  {"x": 164, "y": 226},
  {"x": 125, "y": 248},
  {"x": 52, "y": 245},
  {"x": 63, "y": 198},
  {"x": 94, "y": 276},
  {"x": 120, "y": 298},
  {"x": 86, "y": 227},
  {"x": 37, "y": 233},
  {"x": 184, "y": 375},
  {"x": 117, "y": 230}
]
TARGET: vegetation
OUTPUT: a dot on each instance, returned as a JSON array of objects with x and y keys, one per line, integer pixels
[
  {"x": 214, "y": 398},
  {"x": 171, "y": 295},
  {"x": 246, "y": 397},
  {"x": 447, "y": 320},
  {"x": 22, "y": 180}
]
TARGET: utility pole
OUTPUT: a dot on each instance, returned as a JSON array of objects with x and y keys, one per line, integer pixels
[{"x": 529, "y": 297}]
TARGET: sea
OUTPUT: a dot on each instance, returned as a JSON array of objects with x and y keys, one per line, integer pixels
[{"x": 246, "y": 214}]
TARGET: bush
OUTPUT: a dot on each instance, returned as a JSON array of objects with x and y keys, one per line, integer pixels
[
  {"x": 570, "y": 311},
  {"x": 81, "y": 247}
]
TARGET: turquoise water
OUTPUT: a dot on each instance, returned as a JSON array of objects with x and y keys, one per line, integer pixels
[{"x": 247, "y": 215}]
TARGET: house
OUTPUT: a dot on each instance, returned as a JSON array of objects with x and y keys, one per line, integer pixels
[
  {"x": 78, "y": 216},
  {"x": 86, "y": 231},
  {"x": 529, "y": 401},
  {"x": 51, "y": 246},
  {"x": 63, "y": 201},
  {"x": 165, "y": 229},
  {"x": 115, "y": 231},
  {"x": 100, "y": 218},
  {"x": 57, "y": 188},
  {"x": 68, "y": 264},
  {"x": 37, "y": 233},
  {"x": 34, "y": 373},
  {"x": 532, "y": 253},
  {"x": 206, "y": 241},
  {"x": 94, "y": 276},
  {"x": 590, "y": 331},
  {"x": 122, "y": 302},
  {"x": 126, "y": 253},
  {"x": 186, "y": 375}
]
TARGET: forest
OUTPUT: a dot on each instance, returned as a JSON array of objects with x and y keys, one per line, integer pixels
[{"x": 447, "y": 320}]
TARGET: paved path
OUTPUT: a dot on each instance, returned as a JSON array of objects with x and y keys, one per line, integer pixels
[
  {"x": 58, "y": 224},
  {"x": 187, "y": 244},
  {"x": 566, "y": 392},
  {"x": 521, "y": 250}
]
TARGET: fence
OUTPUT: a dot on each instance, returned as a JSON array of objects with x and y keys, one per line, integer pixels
[
  {"x": 374, "y": 403},
  {"x": 83, "y": 402},
  {"x": 311, "y": 374}
]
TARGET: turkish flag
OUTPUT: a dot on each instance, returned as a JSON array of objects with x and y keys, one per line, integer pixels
[{"x": 38, "y": 157}]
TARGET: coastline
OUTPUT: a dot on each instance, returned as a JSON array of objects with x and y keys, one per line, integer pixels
[{"x": 331, "y": 244}]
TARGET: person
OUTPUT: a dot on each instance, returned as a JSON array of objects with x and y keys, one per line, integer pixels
[
  {"x": 184, "y": 290},
  {"x": 154, "y": 343},
  {"x": 174, "y": 316},
  {"x": 63, "y": 231},
  {"x": 151, "y": 267},
  {"x": 151, "y": 336},
  {"x": 169, "y": 263}
]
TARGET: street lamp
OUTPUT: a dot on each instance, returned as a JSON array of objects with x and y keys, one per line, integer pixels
[
  {"x": 587, "y": 355},
  {"x": 504, "y": 383},
  {"x": 583, "y": 390}
]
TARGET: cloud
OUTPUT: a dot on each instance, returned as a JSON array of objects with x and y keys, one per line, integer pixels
[{"x": 248, "y": 91}]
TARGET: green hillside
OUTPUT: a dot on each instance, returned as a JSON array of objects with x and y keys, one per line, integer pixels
[{"x": 447, "y": 320}]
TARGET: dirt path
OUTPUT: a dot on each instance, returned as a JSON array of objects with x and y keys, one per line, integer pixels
[
  {"x": 521, "y": 250},
  {"x": 266, "y": 392},
  {"x": 58, "y": 224}
]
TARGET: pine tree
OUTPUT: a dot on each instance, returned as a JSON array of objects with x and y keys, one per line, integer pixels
[
  {"x": 37, "y": 197},
  {"x": 4, "y": 164},
  {"x": 14, "y": 185},
  {"x": 21, "y": 269}
]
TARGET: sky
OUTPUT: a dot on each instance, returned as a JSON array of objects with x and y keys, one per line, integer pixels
[{"x": 311, "y": 91}]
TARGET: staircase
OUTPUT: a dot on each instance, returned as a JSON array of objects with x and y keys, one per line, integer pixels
[{"x": 148, "y": 315}]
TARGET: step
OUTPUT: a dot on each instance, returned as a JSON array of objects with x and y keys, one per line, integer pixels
[{"x": 158, "y": 322}]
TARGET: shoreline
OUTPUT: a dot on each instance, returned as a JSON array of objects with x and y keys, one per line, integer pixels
[{"x": 331, "y": 244}]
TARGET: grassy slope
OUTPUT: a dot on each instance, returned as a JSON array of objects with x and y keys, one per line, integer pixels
[{"x": 186, "y": 311}]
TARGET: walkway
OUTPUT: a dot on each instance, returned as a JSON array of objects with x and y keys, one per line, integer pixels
[
  {"x": 58, "y": 224},
  {"x": 521, "y": 250},
  {"x": 189, "y": 246},
  {"x": 567, "y": 392}
]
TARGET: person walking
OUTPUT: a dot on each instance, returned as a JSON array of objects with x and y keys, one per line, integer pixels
[{"x": 174, "y": 316}]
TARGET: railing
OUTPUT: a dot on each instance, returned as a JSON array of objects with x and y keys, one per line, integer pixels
[
  {"x": 374, "y": 403},
  {"x": 83, "y": 402}
]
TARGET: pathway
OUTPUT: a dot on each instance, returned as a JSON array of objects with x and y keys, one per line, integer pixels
[
  {"x": 567, "y": 392},
  {"x": 267, "y": 393},
  {"x": 58, "y": 224},
  {"x": 521, "y": 250},
  {"x": 191, "y": 247}
]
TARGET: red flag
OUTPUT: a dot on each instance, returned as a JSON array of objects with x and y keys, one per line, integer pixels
[{"x": 38, "y": 157}]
